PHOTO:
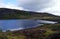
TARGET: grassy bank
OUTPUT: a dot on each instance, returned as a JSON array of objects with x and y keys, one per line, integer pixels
[{"x": 41, "y": 32}]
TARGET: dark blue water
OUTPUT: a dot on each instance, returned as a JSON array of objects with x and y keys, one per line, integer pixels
[
  {"x": 17, "y": 24},
  {"x": 20, "y": 24}
]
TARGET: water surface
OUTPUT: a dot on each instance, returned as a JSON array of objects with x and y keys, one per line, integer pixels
[
  {"x": 20, "y": 24},
  {"x": 17, "y": 24}
]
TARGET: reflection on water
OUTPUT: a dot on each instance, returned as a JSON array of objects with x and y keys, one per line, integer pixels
[
  {"x": 45, "y": 21},
  {"x": 17, "y": 24}
]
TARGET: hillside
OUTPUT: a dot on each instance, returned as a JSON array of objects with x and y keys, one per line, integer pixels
[
  {"x": 46, "y": 31},
  {"x": 6, "y": 13}
]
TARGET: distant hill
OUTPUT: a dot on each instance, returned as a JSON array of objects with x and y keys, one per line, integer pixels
[{"x": 6, "y": 13}]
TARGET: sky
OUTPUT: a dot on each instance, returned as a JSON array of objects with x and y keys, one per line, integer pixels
[{"x": 50, "y": 6}]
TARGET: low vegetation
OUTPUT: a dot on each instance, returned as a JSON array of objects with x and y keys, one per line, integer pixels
[{"x": 41, "y": 32}]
